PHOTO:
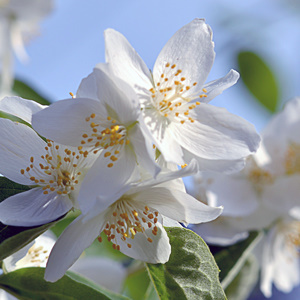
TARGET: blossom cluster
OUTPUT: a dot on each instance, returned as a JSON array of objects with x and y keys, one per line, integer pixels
[
  {"x": 118, "y": 149},
  {"x": 263, "y": 196}
]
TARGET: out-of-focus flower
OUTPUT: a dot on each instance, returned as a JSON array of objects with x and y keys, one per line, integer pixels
[
  {"x": 101, "y": 270},
  {"x": 265, "y": 195},
  {"x": 132, "y": 221},
  {"x": 55, "y": 171},
  {"x": 19, "y": 22},
  {"x": 280, "y": 259},
  {"x": 174, "y": 99},
  {"x": 103, "y": 118}
]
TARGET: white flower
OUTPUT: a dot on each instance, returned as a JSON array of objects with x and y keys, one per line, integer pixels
[
  {"x": 19, "y": 22},
  {"x": 266, "y": 195},
  {"x": 54, "y": 171},
  {"x": 132, "y": 221},
  {"x": 174, "y": 99},
  {"x": 242, "y": 195},
  {"x": 103, "y": 118},
  {"x": 35, "y": 254},
  {"x": 102, "y": 270},
  {"x": 280, "y": 260}
]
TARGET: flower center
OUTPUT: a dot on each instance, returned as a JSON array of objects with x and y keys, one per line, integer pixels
[
  {"x": 58, "y": 169},
  {"x": 107, "y": 135},
  {"x": 292, "y": 159},
  {"x": 171, "y": 93},
  {"x": 256, "y": 175},
  {"x": 36, "y": 256},
  {"x": 293, "y": 236},
  {"x": 127, "y": 220}
]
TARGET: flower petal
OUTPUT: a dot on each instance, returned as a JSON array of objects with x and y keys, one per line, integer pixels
[
  {"x": 191, "y": 49},
  {"x": 143, "y": 150},
  {"x": 220, "y": 135},
  {"x": 236, "y": 194},
  {"x": 103, "y": 183},
  {"x": 157, "y": 251},
  {"x": 33, "y": 207},
  {"x": 165, "y": 179},
  {"x": 216, "y": 87},
  {"x": 112, "y": 273},
  {"x": 125, "y": 61},
  {"x": 283, "y": 195},
  {"x": 219, "y": 232},
  {"x": 117, "y": 95},
  {"x": 163, "y": 136},
  {"x": 21, "y": 108},
  {"x": 65, "y": 121},
  {"x": 216, "y": 165},
  {"x": 88, "y": 88},
  {"x": 73, "y": 241},
  {"x": 18, "y": 143},
  {"x": 177, "y": 205}
]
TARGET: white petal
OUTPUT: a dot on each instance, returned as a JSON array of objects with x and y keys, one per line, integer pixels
[
  {"x": 21, "y": 108},
  {"x": 18, "y": 143},
  {"x": 177, "y": 205},
  {"x": 220, "y": 135},
  {"x": 33, "y": 208},
  {"x": 235, "y": 193},
  {"x": 117, "y": 95},
  {"x": 216, "y": 87},
  {"x": 64, "y": 121},
  {"x": 163, "y": 136},
  {"x": 102, "y": 270},
  {"x": 191, "y": 49},
  {"x": 167, "y": 222},
  {"x": 125, "y": 61},
  {"x": 103, "y": 182},
  {"x": 283, "y": 195},
  {"x": 143, "y": 150},
  {"x": 72, "y": 242},
  {"x": 88, "y": 87},
  {"x": 157, "y": 251},
  {"x": 219, "y": 232},
  {"x": 165, "y": 179}
]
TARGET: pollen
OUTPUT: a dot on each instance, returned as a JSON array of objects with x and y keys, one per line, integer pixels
[
  {"x": 126, "y": 222},
  {"x": 55, "y": 172}
]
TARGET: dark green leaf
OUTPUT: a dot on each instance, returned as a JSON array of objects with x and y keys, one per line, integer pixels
[
  {"x": 190, "y": 273},
  {"x": 29, "y": 283},
  {"x": 259, "y": 79},
  {"x": 23, "y": 90},
  {"x": 9, "y": 188},
  {"x": 231, "y": 259}
]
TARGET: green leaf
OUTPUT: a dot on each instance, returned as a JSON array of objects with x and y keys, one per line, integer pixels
[
  {"x": 259, "y": 79},
  {"x": 190, "y": 273},
  {"x": 29, "y": 283},
  {"x": 232, "y": 259},
  {"x": 243, "y": 284},
  {"x": 136, "y": 283},
  {"x": 9, "y": 188},
  {"x": 23, "y": 90}
]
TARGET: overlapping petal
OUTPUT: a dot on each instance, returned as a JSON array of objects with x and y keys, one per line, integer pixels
[
  {"x": 76, "y": 237},
  {"x": 18, "y": 143},
  {"x": 33, "y": 207}
]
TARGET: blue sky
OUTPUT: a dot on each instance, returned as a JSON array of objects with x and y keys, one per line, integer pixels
[{"x": 71, "y": 42}]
